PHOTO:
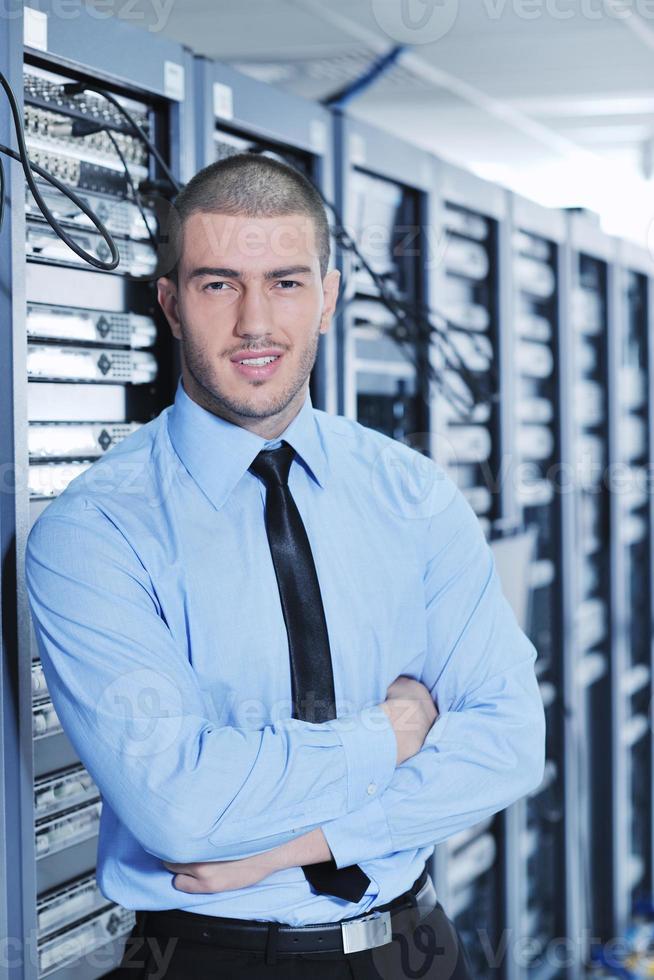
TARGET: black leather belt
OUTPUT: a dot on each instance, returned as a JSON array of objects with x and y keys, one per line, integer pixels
[{"x": 373, "y": 928}]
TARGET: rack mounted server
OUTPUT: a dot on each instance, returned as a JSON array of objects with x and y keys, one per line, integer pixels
[
  {"x": 551, "y": 315},
  {"x": 92, "y": 361}
]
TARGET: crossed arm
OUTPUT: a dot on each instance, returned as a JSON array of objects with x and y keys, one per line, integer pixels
[
  {"x": 411, "y": 711},
  {"x": 486, "y": 748},
  {"x": 205, "y": 877},
  {"x": 222, "y": 794}
]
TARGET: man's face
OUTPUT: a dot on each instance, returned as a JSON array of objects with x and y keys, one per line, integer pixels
[{"x": 249, "y": 288}]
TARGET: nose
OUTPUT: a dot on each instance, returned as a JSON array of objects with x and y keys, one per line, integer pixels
[{"x": 253, "y": 320}]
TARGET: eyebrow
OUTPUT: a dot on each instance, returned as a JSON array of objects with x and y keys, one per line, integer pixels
[{"x": 291, "y": 270}]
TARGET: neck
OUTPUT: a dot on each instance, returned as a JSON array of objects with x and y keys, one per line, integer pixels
[{"x": 268, "y": 427}]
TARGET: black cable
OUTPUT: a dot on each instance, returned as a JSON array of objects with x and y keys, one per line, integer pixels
[
  {"x": 135, "y": 194},
  {"x": 473, "y": 377},
  {"x": 22, "y": 156},
  {"x": 2, "y": 193},
  {"x": 78, "y": 201},
  {"x": 76, "y": 88},
  {"x": 426, "y": 329},
  {"x": 449, "y": 326},
  {"x": 405, "y": 316}
]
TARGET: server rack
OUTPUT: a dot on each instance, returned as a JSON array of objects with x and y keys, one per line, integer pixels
[
  {"x": 235, "y": 114},
  {"x": 536, "y": 870},
  {"x": 91, "y": 360},
  {"x": 384, "y": 194},
  {"x": 472, "y": 290},
  {"x": 589, "y": 554},
  {"x": 631, "y": 661},
  {"x": 14, "y": 784}
]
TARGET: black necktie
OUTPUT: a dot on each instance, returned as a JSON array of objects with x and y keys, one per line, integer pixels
[{"x": 312, "y": 680}]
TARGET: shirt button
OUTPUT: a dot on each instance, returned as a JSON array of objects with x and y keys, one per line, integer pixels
[{"x": 372, "y": 788}]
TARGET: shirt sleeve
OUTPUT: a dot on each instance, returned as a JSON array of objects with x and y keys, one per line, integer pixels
[
  {"x": 187, "y": 787},
  {"x": 487, "y": 747}
]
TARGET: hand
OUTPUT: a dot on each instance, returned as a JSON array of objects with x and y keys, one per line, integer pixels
[
  {"x": 221, "y": 876},
  {"x": 411, "y": 711},
  {"x": 203, "y": 877}
]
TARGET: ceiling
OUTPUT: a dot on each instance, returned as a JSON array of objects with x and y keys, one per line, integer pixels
[{"x": 552, "y": 97}]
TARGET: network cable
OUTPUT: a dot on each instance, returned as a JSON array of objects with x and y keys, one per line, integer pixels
[
  {"x": 22, "y": 156},
  {"x": 412, "y": 320},
  {"x": 135, "y": 194},
  {"x": 77, "y": 88},
  {"x": 412, "y": 324},
  {"x": 2, "y": 193}
]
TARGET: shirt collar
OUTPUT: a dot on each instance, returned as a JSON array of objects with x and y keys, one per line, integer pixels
[{"x": 217, "y": 453}]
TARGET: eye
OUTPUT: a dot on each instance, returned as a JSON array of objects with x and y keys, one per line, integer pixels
[
  {"x": 288, "y": 282},
  {"x": 212, "y": 287}
]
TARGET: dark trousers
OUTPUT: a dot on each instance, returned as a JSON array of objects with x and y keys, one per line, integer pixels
[{"x": 430, "y": 951}]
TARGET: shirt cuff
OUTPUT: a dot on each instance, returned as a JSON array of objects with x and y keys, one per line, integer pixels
[
  {"x": 370, "y": 751},
  {"x": 360, "y": 836},
  {"x": 436, "y": 731}
]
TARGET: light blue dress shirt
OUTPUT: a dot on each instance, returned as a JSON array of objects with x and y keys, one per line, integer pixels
[{"x": 159, "y": 625}]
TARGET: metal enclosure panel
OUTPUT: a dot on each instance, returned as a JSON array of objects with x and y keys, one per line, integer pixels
[
  {"x": 245, "y": 105},
  {"x": 631, "y": 543},
  {"x": 75, "y": 44},
  {"x": 101, "y": 42},
  {"x": 362, "y": 150},
  {"x": 618, "y": 667},
  {"x": 471, "y": 213},
  {"x": 535, "y": 843},
  {"x": 591, "y": 571},
  {"x": 16, "y": 865},
  {"x": 629, "y": 255},
  {"x": 534, "y": 218},
  {"x": 463, "y": 187},
  {"x": 587, "y": 236},
  {"x": 461, "y": 192},
  {"x": 573, "y": 882}
]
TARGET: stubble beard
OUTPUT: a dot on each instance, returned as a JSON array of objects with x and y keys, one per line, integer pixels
[{"x": 200, "y": 366}]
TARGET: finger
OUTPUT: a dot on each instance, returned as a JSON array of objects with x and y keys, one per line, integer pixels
[{"x": 187, "y": 883}]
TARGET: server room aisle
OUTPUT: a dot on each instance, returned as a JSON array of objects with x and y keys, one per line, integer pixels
[{"x": 486, "y": 172}]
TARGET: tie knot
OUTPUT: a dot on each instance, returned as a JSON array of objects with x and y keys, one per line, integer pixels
[{"x": 272, "y": 465}]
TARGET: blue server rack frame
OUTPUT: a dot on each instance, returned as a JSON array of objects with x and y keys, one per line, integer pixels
[
  {"x": 46, "y": 933},
  {"x": 472, "y": 287},
  {"x": 15, "y": 703},
  {"x": 631, "y": 662},
  {"x": 536, "y": 869},
  {"x": 384, "y": 196},
  {"x": 586, "y": 365}
]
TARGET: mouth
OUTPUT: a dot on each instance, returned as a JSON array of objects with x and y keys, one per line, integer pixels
[{"x": 257, "y": 366}]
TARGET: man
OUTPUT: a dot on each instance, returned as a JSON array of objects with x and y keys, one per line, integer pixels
[{"x": 178, "y": 640}]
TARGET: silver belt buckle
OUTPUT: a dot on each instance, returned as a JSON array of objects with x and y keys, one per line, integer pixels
[
  {"x": 426, "y": 898},
  {"x": 375, "y": 929},
  {"x": 367, "y": 932}
]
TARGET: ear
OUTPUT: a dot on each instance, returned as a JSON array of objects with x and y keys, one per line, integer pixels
[
  {"x": 330, "y": 292},
  {"x": 167, "y": 296}
]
